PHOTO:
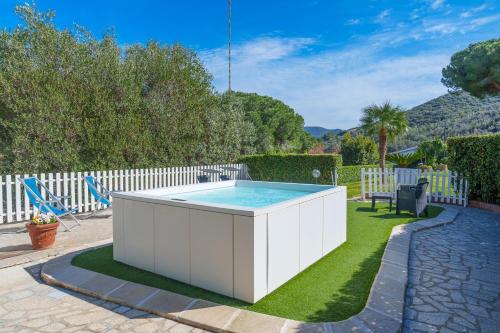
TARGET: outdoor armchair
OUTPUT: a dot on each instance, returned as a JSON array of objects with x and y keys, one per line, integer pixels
[
  {"x": 412, "y": 198},
  {"x": 202, "y": 179},
  {"x": 52, "y": 205}
]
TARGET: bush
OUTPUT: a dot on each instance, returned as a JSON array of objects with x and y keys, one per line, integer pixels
[
  {"x": 352, "y": 173},
  {"x": 424, "y": 167},
  {"x": 441, "y": 167},
  {"x": 403, "y": 160},
  {"x": 432, "y": 151},
  {"x": 295, "y": 168},
  {"x": 358, "y": 150},
  {"x": 478, "y": 158},
  {"x": 70, "y": 101}
]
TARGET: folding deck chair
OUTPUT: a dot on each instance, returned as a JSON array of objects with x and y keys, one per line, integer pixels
[
  {"x": 99, "y": 192},
  {"x": 52, "y": 205}
]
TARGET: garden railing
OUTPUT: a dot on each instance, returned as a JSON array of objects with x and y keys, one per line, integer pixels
[
  {"x": 15, "y": 205},
  {"x": 444, "y": 186}
]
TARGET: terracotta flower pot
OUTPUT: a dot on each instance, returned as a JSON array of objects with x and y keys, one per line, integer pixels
[{"x": 42, "y": 235}]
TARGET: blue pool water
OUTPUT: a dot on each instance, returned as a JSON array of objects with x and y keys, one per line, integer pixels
[{"x": 253, "y": 197}]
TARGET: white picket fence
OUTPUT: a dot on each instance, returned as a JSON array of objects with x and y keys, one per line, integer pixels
[
  {"x": 444, "y": 186},
  {"x": 15, "y": 205}
]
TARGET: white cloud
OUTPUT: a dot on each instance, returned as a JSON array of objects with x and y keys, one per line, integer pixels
[
  {"x": 383, "y": 15},
  {"x": 472, "y": 11},
  {"x": 443, "y": 28},
  {"x": 331, "y": 88},
  {"x": 353, "y": 22},
  {"x": 435, "y": 4},
  {"x": 476, "y": 23}
]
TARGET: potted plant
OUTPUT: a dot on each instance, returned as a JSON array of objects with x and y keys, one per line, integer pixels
[{"x": 42, "y": 230}]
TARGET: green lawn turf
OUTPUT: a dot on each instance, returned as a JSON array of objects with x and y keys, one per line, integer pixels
[
  {"x": 334, "y": 288},
  {"x": 353, "y": 189}
]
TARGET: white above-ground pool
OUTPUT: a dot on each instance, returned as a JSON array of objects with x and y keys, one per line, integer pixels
[{"x": 239, "y": 238}]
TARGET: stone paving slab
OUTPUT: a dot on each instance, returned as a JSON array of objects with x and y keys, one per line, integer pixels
[
  {"x": 454, "y": 277},
  {"x": 31, "y": 306},
  {"x": 383, "y": 312},
  {"x": 16, "y": 249}
]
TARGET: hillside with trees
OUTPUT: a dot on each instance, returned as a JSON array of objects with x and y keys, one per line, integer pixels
[
  {"x": 453, "y": 114},
  {"x": 318, "y": 131}
]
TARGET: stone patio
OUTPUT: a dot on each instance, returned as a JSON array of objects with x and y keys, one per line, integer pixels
[
  {"x": 15, "y": 248},
  {"x": 454, "y": 278},
  {"x": 383, "y": 311},
  {"x": 453, "y": 286},
  {"x": 29, "y": 305}
]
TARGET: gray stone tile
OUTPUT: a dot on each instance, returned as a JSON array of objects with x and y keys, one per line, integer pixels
[
  {"x": 437, "y": 318},
  {"x": 463, "y": 260},
  {"x": 379, "y": 323}
]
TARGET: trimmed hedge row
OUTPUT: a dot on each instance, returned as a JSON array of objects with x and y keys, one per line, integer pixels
[
  {"x": 352, "y": 173},
  {"x": 296, "y": 168},
  {"x": 478, "y": 158}
]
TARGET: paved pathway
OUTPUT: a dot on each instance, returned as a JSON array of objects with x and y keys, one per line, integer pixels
[
  {"x": 454, "y": 278},
  {"x": 15, "y": 247},
  {"x": 28, "y": 305}
]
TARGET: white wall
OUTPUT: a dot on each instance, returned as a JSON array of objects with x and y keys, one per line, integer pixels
[
  {"x": 171, "y": 241},
  {"x": 335, "y": 221},
  {"x": 212, "y": 251},
  {"x": 239, "y": 256},
  {"x": 311, "y": 232},
  {"x": 250, "y": 257},
  {"x": 283, "y": 246}
]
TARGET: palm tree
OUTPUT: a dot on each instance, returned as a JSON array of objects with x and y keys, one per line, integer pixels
[{"x": 387, "y": 121}]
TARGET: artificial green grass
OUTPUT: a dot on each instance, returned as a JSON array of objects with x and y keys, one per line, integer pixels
[
  {"x": 353, "y": 189},
  {"x": 334, "y": 288}
]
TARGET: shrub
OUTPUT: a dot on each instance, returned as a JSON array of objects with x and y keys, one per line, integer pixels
[
  {"x": 441, "y": 167},
  {"x": 295, "y": 168},
  {"x": 478, "y": 158},
  {"x": 432, "y": 151},
  {"x": 352, "y": 173},
  {"x": 403, "y": 160},
  {"x": 424, "y": 167},
  {"x": 358, "y": 150}
]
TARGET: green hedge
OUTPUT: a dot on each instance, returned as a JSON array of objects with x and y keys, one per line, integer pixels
[
  {"x": 478, "y": 158},
  {"x": 296, "y": 168},
  {"x": 352, "y": 173}
]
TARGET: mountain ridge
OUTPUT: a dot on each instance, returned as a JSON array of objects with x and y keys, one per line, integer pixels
[
  {"x": 452, "y": 114},
  {"x": 318, "y": 131}
]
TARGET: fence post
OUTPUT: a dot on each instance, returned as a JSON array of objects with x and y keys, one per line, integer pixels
[
  {"x": 443, "y": 182},
  {"x": 85, "y": 194},
  {"x": 72, "y": 188},
  {"x": 79, "y": 187},
  {"x": 1, "y": 201},
  {"x": 363, "y": 196},
  {"x": 8, "y": 192},
  {"x": 370, "y": 174},
  {"x": 92, "y": 199},
  {"x": 26, "y": 202},
  {"x": 17, "y": 195}
]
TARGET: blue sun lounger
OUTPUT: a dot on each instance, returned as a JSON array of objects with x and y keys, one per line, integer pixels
[
  {"x": 98, "y": 191},
  {"x": 52, "y": 205}
]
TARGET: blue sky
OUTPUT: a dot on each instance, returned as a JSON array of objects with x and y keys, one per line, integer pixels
[{"x": 326, "y": 59}]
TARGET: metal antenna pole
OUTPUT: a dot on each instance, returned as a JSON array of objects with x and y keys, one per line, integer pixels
[{"x": 229, "y": 44}]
